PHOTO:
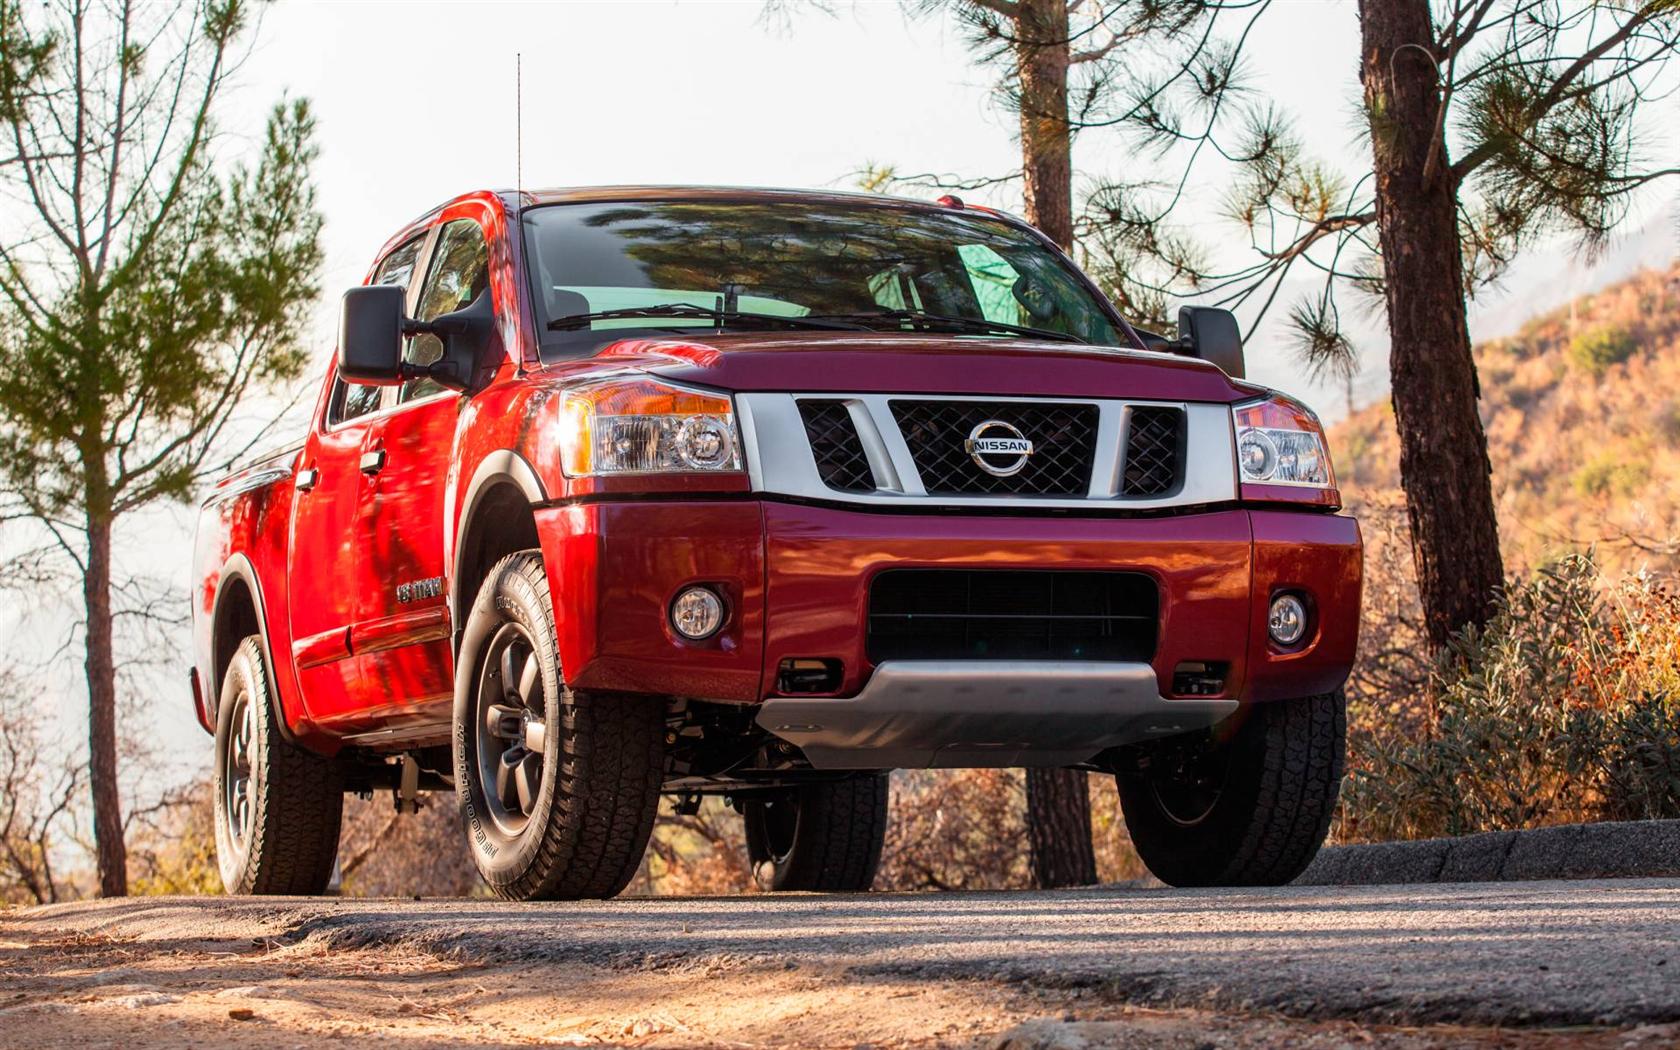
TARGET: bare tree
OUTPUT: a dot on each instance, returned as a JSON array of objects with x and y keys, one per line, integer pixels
[
  {"x": 36, "y": 799},
  {"x": 1490, "y": 123},
  {"x": 142, "y": 292}
]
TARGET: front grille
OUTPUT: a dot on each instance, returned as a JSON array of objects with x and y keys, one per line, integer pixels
[
  {"x": 1009, "y": 614},
  {"x": 1154, "y": 451},
  {"x": 1063, "y": 438},
  {"x": 834, "y": 442}
]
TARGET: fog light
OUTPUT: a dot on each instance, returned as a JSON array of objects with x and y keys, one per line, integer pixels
[
  {"x": 697, "y": 613},
  {"x": 1287, "y": 621}
]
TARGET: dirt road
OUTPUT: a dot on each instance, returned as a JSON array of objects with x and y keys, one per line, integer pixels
[{"x": 1533, "y": 964}]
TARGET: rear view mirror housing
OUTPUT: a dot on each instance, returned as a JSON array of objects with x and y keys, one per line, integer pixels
[
  {"x": 370, "y": 331},
  {"x": 372, "y": 327},
  {"x": 1212, "y": 335}
]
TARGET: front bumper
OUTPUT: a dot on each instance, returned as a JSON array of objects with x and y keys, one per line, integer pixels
[{"x": 796, "y": 579}]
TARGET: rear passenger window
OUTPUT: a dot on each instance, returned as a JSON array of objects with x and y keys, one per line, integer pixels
[
  {"x": 460, "y": 273},
  {"x": 398, "y": 267},
  {"x": 350, "y": 400}
]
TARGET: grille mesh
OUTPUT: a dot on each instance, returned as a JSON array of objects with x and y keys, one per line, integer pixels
[
  {"x": 1005, "y": 614},
  {"x": 1154, "y": 446},
  {"x": 834, "y": 442},
  {"x": 1063, "y": 437}
]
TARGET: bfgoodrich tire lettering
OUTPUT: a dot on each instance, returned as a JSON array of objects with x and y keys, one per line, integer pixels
[
  {"x": 557, "y": 789},
  {"x": 823, "y": 836},
  {"x": 278, "y": 806},
  {"x": 1254, "y": 807}
]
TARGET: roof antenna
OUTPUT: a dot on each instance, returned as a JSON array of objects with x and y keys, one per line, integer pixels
[{"x": 518, "y": 128}]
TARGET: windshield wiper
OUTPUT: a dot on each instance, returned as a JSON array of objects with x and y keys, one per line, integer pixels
[
  {"x": 720, "y": 318},
  {"x": 961, "y": 324}
]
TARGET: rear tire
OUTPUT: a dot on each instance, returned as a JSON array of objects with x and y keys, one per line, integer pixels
[
  {"x": 558, "y": 789},
  {"x": 1243, "y": 808},
  {"x": 278, "y": 806},
  {"x": 823, "y": 836}
]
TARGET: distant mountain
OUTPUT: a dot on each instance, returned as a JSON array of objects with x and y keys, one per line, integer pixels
[{"x": 1582, "y": 410}]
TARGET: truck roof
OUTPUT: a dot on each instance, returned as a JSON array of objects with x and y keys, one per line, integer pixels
[
  {"x": 576, "y": 194},
  {"x": 586, "y": 194}
]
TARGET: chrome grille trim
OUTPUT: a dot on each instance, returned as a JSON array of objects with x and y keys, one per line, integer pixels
[{"x": 780, "y": 461}]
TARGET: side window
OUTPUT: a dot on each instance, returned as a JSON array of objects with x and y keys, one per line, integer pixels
[
  {"x": 460, "y": 273},
  {"x": 350, "y": 400},
  {"x": 398, "y": 267}
]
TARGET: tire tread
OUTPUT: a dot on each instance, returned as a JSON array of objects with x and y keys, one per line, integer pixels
[
  {"x": 839, "y": 836},
  {"x": 1292, "y": 753},
  {"x": 299, "y": 805}
]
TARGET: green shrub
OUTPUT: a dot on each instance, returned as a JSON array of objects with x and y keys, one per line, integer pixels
[
  {"x": 1596, "y": 349},
  {"x": 1611, "y": 473},
  {"x": 1562, "y": 709}
]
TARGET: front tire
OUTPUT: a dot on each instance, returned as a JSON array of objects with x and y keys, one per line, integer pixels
[
  {"x": 558, "y": 789},
  {"x": 824, "y": 836},
  {"x": 278, "y": 806},
  {"x": 1246, "y": 805}
]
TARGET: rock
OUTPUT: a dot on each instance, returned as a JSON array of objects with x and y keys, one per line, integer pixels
[
  {"x": 249, "y": 991},
  {"x": 1042, "y": 1034},
  {"x": 242, "y": 1013},
  {"x": 140, "y": 1000}
]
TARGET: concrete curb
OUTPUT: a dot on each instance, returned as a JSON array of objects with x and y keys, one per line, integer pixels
[{"x": 1569, "y": 851}]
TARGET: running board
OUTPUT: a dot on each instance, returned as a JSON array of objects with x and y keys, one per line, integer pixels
[{"x": 918, "y": 714}]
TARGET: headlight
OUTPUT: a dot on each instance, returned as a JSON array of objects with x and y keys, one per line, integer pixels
[
  {"x": 637, "y": 425},
  {"x": 1280, "y": 442}
]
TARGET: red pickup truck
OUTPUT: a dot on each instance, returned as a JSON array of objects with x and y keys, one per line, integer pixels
[{"x": 614, "y": 494}]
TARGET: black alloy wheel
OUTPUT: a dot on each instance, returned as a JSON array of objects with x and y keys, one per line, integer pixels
[{"x": 513, "y": 729}]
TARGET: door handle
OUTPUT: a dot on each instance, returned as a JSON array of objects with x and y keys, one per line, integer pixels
[
  {"x": 373, "y": 461},
  {"x": 306, "y": 479}
]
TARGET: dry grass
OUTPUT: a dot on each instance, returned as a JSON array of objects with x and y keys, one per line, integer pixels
[{"x": 1563, "y": 709}]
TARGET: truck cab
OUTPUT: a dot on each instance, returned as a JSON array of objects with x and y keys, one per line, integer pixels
[{"x": 613, "y": 494}]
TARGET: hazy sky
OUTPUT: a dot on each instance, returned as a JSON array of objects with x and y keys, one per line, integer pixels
[{"x": 415, "y": 104}]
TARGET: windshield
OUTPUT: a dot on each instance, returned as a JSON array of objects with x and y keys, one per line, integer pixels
[{"x": 709, "y": 264}]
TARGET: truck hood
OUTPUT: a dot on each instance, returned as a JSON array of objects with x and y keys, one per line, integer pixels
[{"x": 861, "y": 363}]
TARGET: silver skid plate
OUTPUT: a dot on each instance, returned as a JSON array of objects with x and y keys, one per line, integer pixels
[{"x": 916, "y": 714}]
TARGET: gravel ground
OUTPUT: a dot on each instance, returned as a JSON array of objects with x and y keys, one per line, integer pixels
[{"x": 1593, "y": 961}]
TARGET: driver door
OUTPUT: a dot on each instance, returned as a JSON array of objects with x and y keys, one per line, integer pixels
[
  {"x": 402, "y": 623},
  {"x": 324, "y": 552}
]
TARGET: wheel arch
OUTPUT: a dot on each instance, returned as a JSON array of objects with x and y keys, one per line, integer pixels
[
  {"x": 497, "y": 519},
  {"x": 238, "y": 613}
]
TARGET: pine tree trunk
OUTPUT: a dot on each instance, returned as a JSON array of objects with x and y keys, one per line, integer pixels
[
  {"x": 112, "y": 854},
  {"x": 1059, "y": 828},
  {"x": 1046, "y": 140},
  {"x": 1058, "y": 808},
  {"x": 1443, "y": 450}
]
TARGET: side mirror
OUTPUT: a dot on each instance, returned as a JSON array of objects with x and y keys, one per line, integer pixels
[
  {"x": 370, "y": 331},
  {"x": 1212, "y": 335}
]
